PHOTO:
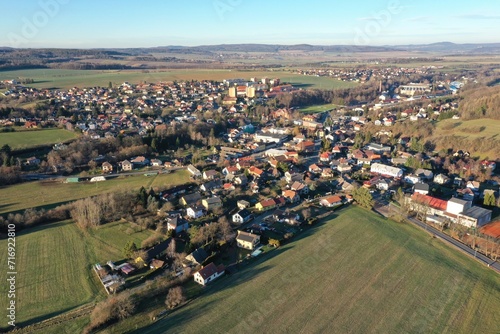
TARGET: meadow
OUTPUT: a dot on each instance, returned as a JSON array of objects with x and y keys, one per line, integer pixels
[
  {"x": 53, "y": 263},
  {"x": 356, "y": 273},
  {"x": 50, "y": 193},
  {"x": 34, "y": 138},
  {"x": 64, "y": 79}
]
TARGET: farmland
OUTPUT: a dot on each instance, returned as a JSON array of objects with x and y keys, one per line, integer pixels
[
  {"x": 54, "y": 265},
  {"x": 355, "y": 273},
  {"x": 53, "y": 272},
  {"x": 57, "y": 78},
  {"x": 50, "y": 193},
  {"x": 33, "y": 138}
]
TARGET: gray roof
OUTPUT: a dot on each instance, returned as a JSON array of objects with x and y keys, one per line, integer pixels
[
  {"x": 249, "y": 237},
  {"x": 421, "y": 186},
  {"x": 458, "y": 201},
  {"x": 476, "y": 212}
]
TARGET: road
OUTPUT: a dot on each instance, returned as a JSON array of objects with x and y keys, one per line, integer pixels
[
  {"x": 464, "y": 248},
  {"x": 385, "y": 210}
]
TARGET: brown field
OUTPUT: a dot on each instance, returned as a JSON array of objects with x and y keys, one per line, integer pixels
[{"x": 492, "y": 229}]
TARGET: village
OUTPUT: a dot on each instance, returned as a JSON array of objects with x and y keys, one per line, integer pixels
[{"x": 259, "y": 184}]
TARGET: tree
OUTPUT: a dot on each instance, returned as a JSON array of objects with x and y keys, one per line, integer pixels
[
  {"x": 489, "y": 199},
  {"x": 175, "y": 297},
  {"x": 129, "y": 249},
  {"x": 363, "y": 197},
  {"x": 274, "y": 242}
]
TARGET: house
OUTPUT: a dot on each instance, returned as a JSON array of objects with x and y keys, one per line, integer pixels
[
  {"x": 412, "y": 179},
  {"x": 425, "y": 174},
  {"x": 441, "y": 179},
  {"x": 344, "y": 167},
  {"x": 325, "y": 157},
  {"x": 210, "y": 174},
  {"x": 177, "y": 224},
  {"x": 154, "y": 252},
  {"x": 280, "y": 201},
  {"x": 195, "y": 211},
  {"x": 107, "y": 167},
  {"x": 331, "y": 201},
  {"x": 242, "y": 204},
  {"x": 240, "y": 180},
  {"x": 211, "y": 203},
  {"x": 126, "y": 165},
  {"x": 300, "y": 187},
  {"x": 197, "y": 257},
  {"x": 256, "y": 172},
  {"x": 195, "y": 172},
  {"x": 209, "y": 273},
  {"x": 315, "y": 169},
  {"x": 466, "y": 194},
  {"x": 291, "y": 218},
  {"x": 242, "y": 216},
  {"x": 211, "y": 185},
  {"x": 156, "y": 264},
  {"x": 421, "y": 188},
  {"x": 156, "y": 162},
  {"x": 247, "y": 240},
  {"x": 140, "y": 160},
  {"x": 228, "y": 187},
  {"x": 291, "y": 196},
  {"x": 327, "y": 173},
  {"x": 265, "y": 205},
  {"x": 230, "y": 170},
  {"x": 190, "y": 199}
]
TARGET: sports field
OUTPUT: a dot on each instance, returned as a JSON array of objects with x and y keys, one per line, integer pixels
[
  {"x": 492, "y": 229},
  {"x": 57, "y": 78},
  {"x": 49, "y": 193},
  {"x": 357, "y": 273},
  {"x": 34, "y": 138}
]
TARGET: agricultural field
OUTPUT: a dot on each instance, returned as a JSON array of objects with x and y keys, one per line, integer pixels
[
  {"x": 33, "y": 138},
  {"x": 53, "y": 272},
  {"x": 57, "y": 78},
  {"x": 54, "y": 265},
  {"x": 356, "y": 273},
  {"x": 50, "y": 193}
]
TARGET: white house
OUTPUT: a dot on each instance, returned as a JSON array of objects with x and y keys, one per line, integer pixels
[
  {"x": 242, "y": 216},
  {"x": 209, "y": 273},
  {"x": 412, "y": 179},
  {"x": 195, "y": 211}
]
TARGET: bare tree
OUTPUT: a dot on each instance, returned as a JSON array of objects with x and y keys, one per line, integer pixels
[{"x": 175, "y": 297}]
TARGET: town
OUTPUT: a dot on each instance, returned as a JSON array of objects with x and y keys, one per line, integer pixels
[{"x": 259, "y": 169}]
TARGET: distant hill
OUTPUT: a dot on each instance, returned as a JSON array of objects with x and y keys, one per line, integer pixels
[{"x": 448, "y": 47}]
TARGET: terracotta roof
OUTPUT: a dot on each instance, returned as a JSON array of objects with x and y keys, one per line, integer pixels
[{"x": 433, "y": 202}]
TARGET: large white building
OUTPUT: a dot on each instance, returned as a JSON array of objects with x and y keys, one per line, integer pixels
[
  {"x": 414, "y": 89},
  {"x": 385, "y": 170}
]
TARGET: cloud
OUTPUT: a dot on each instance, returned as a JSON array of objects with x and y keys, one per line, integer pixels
[{"x": 419, "y": 19}]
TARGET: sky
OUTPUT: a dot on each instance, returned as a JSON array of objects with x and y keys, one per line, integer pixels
[{"x": 146, "y": 23}]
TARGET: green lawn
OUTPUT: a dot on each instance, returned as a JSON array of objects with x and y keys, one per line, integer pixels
[
  {"x": 34, "y": 138},
  {"x": 109, "y": 240},
  {"x": 53, "y": 262},
  {"x": 475, "y": 128},
  {"x": 357, "y": 273},
  {"x": 57, "y": 78},
  {"x": 44, "y": 193},
  {"x": 53, "y": 272},
  {"x": 318, "y": 108}
]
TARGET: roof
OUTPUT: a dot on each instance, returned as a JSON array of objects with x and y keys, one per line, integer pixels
[
  {"x": 192, "y": 198},
  {"x": 458, "y": 201},
  {"x": 433, "y": 202},
  {"x": 158, "y": 249},
  {"x": 212, "y": 200},
  {"x": 422, "y": 186},
  {"x": 199, "y": 255},
  {"x": 476, "y": 212},
  {"x": 176, "y": 221},
  {"x": 210, "y": 269},
  {"x": 243, "y": 213},
  {"x": 333, "y": 199},
  {"x": 289, "y": 193},
  {"x": 248, "y": 237}
]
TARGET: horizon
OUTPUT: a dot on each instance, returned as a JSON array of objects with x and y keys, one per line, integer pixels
[{"x": 97, "y": 25}]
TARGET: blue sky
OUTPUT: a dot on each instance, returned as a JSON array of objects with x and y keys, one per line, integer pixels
[{"x": 92, "y": 23}]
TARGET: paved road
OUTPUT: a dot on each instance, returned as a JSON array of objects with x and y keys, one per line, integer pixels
[
  {"x": 464, "y": 248},
  {"x": 386, "y": 209}
]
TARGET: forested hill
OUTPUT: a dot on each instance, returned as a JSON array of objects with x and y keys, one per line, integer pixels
[{"x": 482, "y": 102}]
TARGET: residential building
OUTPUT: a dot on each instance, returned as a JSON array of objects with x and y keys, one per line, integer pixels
[
  {"x": 127, "y": 165},
  {"x": 209, "y": 273},
  {"x": 265, "y": 205},
  {"x": 247, "y": 240},
  {"x": 177, "y": 224},
  {"x": 331, "y": 201},
  {"x": 195, "y": 172},
  {"x": 107, "y": 167},
  {"x": 242, "y": 216},
  {"x": 211, "y": 203},
  {"x": 195, "y": 211},
  {"x": 385, "y": 170}
]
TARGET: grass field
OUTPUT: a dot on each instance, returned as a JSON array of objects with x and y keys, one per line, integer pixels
[
  {"x": 357, "y": 273},
  {"x": 33, "y": 138},
  {"x": 318, "y": 108},
  {"x": 46, "y": 194},
  {"x": 53, "y": 272},
  {"x": 56, "y": 78},
  {"x": 54, "y": 266},
  {"x": 108, "y": 240}
]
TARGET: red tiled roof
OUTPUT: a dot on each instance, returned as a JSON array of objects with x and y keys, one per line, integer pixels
[{"x": 433, "y": 202}]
